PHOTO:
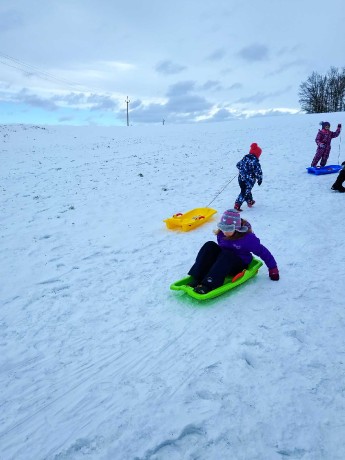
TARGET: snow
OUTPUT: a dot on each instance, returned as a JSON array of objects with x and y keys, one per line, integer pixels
[{"x": 100, "y": 360}]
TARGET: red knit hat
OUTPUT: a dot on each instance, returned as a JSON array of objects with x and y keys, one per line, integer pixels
[{"x": 255, "y": 150}]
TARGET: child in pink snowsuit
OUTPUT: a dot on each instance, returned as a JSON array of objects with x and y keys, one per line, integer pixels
[{"x": 323, "y": 141}]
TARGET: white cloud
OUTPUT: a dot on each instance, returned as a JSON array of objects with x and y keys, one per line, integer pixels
[
  {"x": 255, "y": 52},
  {"x": 229, "y": 54},
  {"x": 169, "y": 68}
]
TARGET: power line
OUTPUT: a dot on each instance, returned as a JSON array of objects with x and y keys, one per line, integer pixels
[
  {"x": 22, "y": 66},
  {"x": 40, "y": 73},
  {"x": 35, "y": 70}
]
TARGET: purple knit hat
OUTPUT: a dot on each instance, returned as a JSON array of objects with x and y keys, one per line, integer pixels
[{"x": 231, "y": 221}]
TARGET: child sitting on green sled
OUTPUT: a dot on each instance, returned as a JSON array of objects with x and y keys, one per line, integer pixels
[{"x": 231, "y": 255}]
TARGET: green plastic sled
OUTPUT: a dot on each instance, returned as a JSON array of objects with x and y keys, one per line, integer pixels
[{"x": 229, "y": 283}]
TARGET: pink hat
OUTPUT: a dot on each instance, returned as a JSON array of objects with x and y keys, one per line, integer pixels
[{"x": 231, "y": 221}]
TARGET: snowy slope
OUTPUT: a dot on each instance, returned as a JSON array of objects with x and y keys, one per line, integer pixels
[{"x": 100, "y": 360}]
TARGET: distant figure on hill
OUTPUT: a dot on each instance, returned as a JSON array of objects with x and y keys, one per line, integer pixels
[
  {"x": 323, "y": 141},
  {"x": 249, "y": 172},
  {"x": 338, "y": 184}
]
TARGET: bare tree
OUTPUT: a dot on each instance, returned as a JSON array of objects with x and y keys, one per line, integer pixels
[
  {"x": 320, "y": 94},
  {"x": 312, "y": 94},
  {"x": 336, "y": 90}
]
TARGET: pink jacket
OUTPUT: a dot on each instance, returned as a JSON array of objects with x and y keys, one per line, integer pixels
[{"x": 324, "y": 137}]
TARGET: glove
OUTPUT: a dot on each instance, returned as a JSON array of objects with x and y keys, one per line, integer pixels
[
  {"x": 259, "y": 182},
  {"x": 339, "y": 125},
  {"x": 274, "y": 274},
  {"x": 321, "y": 145}
]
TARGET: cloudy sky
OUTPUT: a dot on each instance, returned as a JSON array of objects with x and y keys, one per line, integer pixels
[{"x": 76, "y": 61}]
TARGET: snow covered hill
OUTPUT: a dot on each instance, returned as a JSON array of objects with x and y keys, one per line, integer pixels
[{"x": 100, "y": 360}]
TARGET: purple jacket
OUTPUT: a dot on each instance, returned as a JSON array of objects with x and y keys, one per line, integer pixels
[
  {"x": 324, "y": 136},
  {"x": 243, "y": 247}
]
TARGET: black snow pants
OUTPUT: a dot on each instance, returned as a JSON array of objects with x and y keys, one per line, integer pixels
[
  {"x": 338, "y": 184},
  {"x": 213, "y": 264}
]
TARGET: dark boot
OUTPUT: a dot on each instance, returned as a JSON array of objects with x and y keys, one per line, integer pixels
[
  {"x": 338, "y": 184},
  {"x": 202, "y": 289},
  {"x": 194, "y": 283},
  {"x": 338, "y": 188}
]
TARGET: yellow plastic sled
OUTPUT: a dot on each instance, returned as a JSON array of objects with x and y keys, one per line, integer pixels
[{"x": 190, "y": 219}]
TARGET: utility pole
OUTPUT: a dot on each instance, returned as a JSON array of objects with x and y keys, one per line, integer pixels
[{"x": 127, "y": 102}]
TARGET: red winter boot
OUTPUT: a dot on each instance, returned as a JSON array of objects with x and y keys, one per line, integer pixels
[
  {"x": 251, "y": 203},
  {"x": 238, "y": 207}
]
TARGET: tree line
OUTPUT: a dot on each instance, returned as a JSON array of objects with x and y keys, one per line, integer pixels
[{"x": 323, "y": 93}]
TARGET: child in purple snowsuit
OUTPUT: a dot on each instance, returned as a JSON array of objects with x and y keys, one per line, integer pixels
[
  {"x": 323, "y": 141},
  {"x": 230, "y": 255}
]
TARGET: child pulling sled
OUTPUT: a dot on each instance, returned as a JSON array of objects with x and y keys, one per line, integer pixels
[{"x": 249, "y": 172}]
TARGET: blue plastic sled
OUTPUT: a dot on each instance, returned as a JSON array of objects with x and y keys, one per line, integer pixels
[{"x": 330, "y": 169}]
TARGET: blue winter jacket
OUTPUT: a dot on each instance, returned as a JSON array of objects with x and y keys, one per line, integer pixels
[
  {"x": 250, "y": 169},
  {"x": 245, "y": 246}
]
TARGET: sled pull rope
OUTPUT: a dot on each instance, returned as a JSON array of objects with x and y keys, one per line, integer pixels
[
  {"x": 339, "y": 150},
  {"x": 221, "y": 190}
]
